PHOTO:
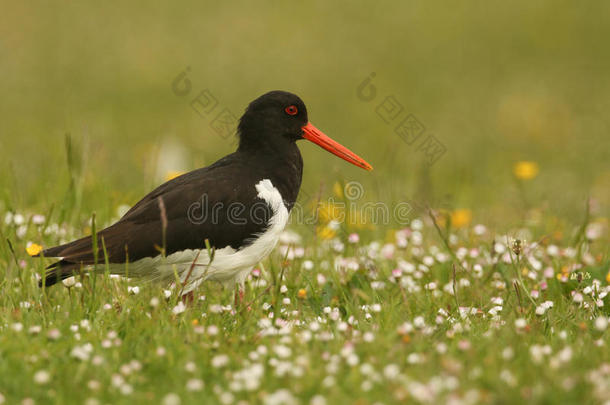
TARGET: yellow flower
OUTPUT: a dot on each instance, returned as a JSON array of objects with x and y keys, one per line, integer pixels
[
  {"x": 608, "y": 277},
  {"x": 329, "y": 211},
  {"x": 33, "y": 249},
  {"x": 325, "y": 232},
  {"x": 302, "y": 293},
  {"x": 338, "y": 189},
  {"x": 525, "y": 170},
  {"x": 172, "y": 174},
  {"x": 461, "y": 218}
]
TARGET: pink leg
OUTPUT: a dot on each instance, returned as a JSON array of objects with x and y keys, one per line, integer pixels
[
  {"x": 188, "y": 298},
  {"x": 239, "y": 297}
]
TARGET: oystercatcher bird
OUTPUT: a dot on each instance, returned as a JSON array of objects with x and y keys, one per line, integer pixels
[{"x": 239, "y": 205}]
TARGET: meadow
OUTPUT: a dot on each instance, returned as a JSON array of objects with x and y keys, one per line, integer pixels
[{"x": 470, "y": 267}]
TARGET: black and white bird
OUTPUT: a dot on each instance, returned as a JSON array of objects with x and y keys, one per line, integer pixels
[{"x": 240, "y": 205}]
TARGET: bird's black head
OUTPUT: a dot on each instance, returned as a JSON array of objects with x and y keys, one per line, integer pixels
[{"x": 275, "y": 118}]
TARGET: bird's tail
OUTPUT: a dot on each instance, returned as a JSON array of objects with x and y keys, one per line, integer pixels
[{"x": 57, "y": 272}]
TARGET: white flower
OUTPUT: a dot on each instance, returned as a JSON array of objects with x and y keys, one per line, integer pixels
[
  {"x": 594, "y": 231},
  {"x": 414, "y": 358},
  {"x": 125, "y": 369},
  {"x": 85, "y": 324},
  {"x": 508, "y": 378},
  {"x": 282, "y": 351},
  {"x": 178, "y": 309},
  {"x": 542, "y": 308},
  {"x": 552, "y": 250},
  {"x": 537, "y": 352},
  {"x": 82, "y": 352},
  {"x": 194, "y": 384},
  {"x": 133, "y": 290},
  {"x": 419, "y": 322},
  {"x": 42, "y": 377},
  {"x": 94, "y": 385},
  {"x": 441, "y": 348},
  {"x": 601, "y": 323},
  {"x": 428, "y": 260},
  {"x": 499, "y": 248},
  {"x": 69, "y": 282},
  {"x": 494, "y": 310},
  {"x": 220, "y": 360},
  {"x": 54, "y": 334},
  {"x": 317, "y": 400},
  {"x": 38, "y": 219},
  {"x": 565, "y": 354},
  {"x": 280, "y": 397},
  {"x": 126, "y": 389},
  {"x": 117, "y": 380},
  {"x": 18, "y": 219},
  {"x": 405, "y": 328},
  {"x": 520, "y": 323},
  {"x": 391, "y": 371},
  {"x": 352, "y": 359},
  {"x": 171, "y": 399},
  {"x": 479, "y": 229},
  {"x": 417, "y": 224}
]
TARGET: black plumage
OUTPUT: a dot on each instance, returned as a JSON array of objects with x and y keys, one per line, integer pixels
[{"x": 218, "y": 203}]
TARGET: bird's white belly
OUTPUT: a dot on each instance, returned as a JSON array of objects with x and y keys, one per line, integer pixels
[{"x": 228, "y": 266}]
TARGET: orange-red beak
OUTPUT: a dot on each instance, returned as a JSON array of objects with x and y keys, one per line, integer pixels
[{"x": 316, "y": 136}]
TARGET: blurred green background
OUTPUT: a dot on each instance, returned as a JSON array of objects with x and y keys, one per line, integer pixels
[{"x": 495, "y": 82}]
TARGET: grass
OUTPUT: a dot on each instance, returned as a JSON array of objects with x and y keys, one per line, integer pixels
[
  {"x": 436, "y": 307},
  {"x": 326, "y": 320}
]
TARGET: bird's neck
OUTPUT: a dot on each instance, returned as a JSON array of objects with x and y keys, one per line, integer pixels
[{"x": 283, "y": 167}]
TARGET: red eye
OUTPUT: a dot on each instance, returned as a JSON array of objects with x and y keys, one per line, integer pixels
[{"x": 291, "y": 110}]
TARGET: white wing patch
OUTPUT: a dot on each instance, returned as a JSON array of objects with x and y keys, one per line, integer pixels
[{"x": 229, "y": 266}]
